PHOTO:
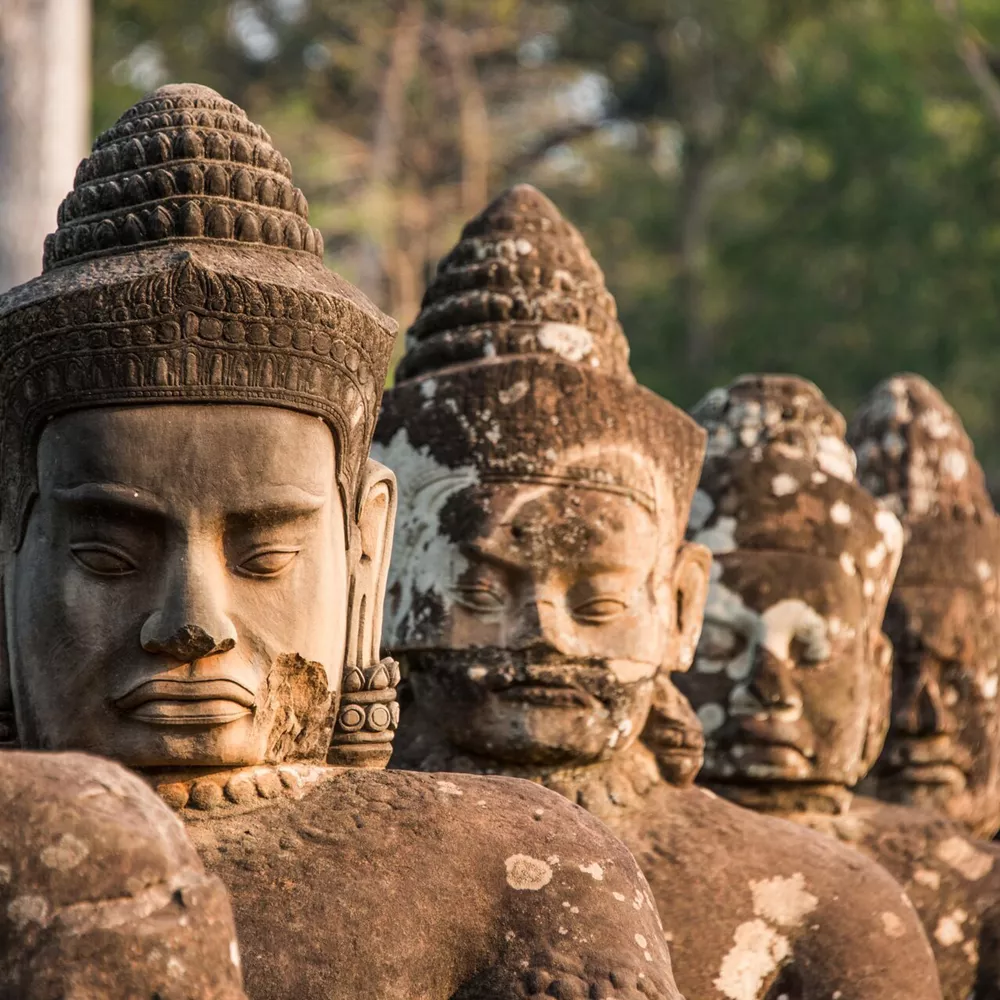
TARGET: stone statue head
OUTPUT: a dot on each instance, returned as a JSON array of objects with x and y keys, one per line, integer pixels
[
  {"x": 943, "y": 747},
  {"x": 194, "y": 541},
  {"x": 539, "y": 577},
  {"x": 791, "y": 677}
]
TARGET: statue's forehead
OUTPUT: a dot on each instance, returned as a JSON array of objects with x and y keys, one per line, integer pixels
[
  {"x": 173, "y": 447},
  {"x": 764, "y": 578}
]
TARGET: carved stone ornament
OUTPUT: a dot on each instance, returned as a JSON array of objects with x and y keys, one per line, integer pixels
[
  {"x": 184, "y": 268},
  {"x": 943, "y": 747},
  {"x": 541, "y": 588}
]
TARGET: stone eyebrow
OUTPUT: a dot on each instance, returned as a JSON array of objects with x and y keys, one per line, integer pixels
[
  {"x": 278, "y": 506},
  {"x": 112, "y": 495}
]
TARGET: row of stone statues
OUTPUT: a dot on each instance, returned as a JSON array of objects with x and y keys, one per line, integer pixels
[{"x": 671, "y": 625}]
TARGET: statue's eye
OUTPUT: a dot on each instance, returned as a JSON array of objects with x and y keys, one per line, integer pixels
[
  {"x": 479, "y": 599},
  {"x": 269, "y": 562},
  {"x": 103, "y": 560},
  {"x": 598, "y": 610}
]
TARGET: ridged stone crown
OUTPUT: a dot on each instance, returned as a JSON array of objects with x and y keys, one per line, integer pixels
[
  {"x": 519, "y": 281},
  {"x": 915, "y": 455},
  {"x": 184, "y": 269},
  {"x": 780, "y": 476}
]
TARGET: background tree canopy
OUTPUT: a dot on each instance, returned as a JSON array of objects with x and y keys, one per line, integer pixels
[{"x": 791, "y": 185}]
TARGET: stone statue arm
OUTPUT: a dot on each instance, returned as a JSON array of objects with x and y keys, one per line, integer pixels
[
  {"x": 880, "y": 949},
  {"x": 101, "y": 894},
  {"x": 576, "y": 917}
]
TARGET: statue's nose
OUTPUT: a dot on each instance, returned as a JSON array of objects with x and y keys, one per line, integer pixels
[
  {"x": 920, "y": 708},
  {"x": 187, "y": 643},
  {"x": 191, "y": 622}
]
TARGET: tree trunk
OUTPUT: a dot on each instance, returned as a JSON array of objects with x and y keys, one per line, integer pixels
[
  {"x": 44, "y": 123},
  {"x": 694, "y": 250}
]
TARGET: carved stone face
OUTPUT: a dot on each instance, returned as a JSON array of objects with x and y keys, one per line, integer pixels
[
  {"x": 943, "y": 747},
  {"x": 176, "y": 561},
  {"x": 783, "y": 679},
  {"x": 557, "y": 615}
]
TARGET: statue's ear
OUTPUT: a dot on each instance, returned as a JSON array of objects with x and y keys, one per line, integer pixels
[
  {"x": 689, "y": 591},
  {"x": 376, "y": 516},
  {"x": 880, "y": 702}
]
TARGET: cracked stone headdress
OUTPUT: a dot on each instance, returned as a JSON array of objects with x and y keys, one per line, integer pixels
[
  {"x": 915, "y": 455},
  {"x": 780, "y": 476},
  {"x": 517, "y": 371},
  {"x": 184, "y": 269}
]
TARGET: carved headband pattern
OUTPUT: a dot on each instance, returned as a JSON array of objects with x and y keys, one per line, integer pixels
[{"x": 184, "y": 268}]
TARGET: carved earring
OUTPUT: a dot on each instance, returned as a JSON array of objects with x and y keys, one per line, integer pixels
[{"x": 368, "y": 712}]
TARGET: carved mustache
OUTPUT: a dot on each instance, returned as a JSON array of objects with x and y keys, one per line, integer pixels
[
  {"x": 927, "y": 751},
  {"x": 498, "y": 670}
]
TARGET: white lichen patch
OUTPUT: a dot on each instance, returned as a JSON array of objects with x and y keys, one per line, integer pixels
[
  {"x": 424, "y": 562},
  {"x": 928, "y": 878},
  {"x": 641, "y": 941},
  {"x": 572, "y": 343},
  {"x": 960, "y": 854},
  {"x": 594, "y": 870},
  {"x": 783, "y": 901},
  {"x": 847, "y": 563},
  {"x": 794, "y": 620},
  {"x": 24, "y": 910},
  {"x": 949, "y": 928},
  {"x": 892, "y": 924},
  {"x": 983, "y": 570},
  {"x": 65, "y": 854},
  {"x": 840, "y": 512},
  {"x": 783, "y": 485},
  {"x": 954, "y": 465},
  {"x": 527, "y": 873},
  {"x": 449, "y": 788},
  {"x": 756, "y": 952},
  {"x": 516, "y": 392}
]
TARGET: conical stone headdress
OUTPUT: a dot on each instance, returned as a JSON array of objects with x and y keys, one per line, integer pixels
[
  {"x": 184, "y": 269},
  {"x": 914, "y": 453},
  {"x": 517, "y": 371},
  {"x": 520, "y": 281},
  {"x": 780, "y": 476}
]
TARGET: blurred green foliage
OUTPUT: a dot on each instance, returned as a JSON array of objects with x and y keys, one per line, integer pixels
[{"x": 792, "y": 185}]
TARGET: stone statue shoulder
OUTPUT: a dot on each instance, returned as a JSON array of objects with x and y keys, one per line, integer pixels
[
  {"x": 795, "y": 913},
  {"x": 952, "y": 879},
  {"x": 101, "y": 893},
  {"x": 444, "y": 885}
]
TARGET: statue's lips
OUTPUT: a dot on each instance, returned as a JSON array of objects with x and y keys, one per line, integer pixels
[
  {"x": 933, "y": 761},
  {"x": 548, "y": 695},
  {"x": 770, "y": 741},
  {"x": 186, "y": 702}
]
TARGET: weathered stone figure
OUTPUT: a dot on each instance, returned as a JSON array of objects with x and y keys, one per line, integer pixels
[
  {"x": 195, "y": 548},
  {"x": 101, "y": 894},
  {"x": 792, "y": 676},
  {"x": 943, "y": 747},
  {"x": 540, "y": 584}
]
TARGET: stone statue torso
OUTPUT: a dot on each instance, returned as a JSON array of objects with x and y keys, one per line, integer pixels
[
  {"x": 437, "y": 886},
  {"x": 751, "y": 908},
  {"x": 952, "y": 880}
]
